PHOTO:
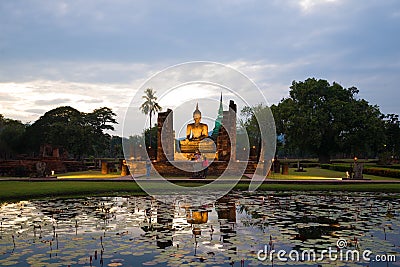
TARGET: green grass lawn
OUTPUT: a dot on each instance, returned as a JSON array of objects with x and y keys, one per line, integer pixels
[
  {"x": 80, "y": 175},
  {"x": 318, "y": 173},
  {"x": 22, "y": 190},
  {"x": 14, "y": 190},
  {"x": 88, "y": 175},
  {"x": 310, "y": 173},
  {"x": 389, "y": 188}
]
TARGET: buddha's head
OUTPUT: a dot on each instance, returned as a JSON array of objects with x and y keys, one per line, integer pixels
[{"x": 197, "y": 114}]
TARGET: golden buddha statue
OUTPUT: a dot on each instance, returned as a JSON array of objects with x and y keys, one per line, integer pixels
[
  {"x": 197, "y": 217},
  {"x": 197, "y": 130},
  {"x": 196, "y": 136}
]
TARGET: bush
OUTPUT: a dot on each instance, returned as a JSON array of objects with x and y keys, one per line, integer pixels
[
  {"x": 382, "y": 172},
  {"x": 337, "y": 167},
  {"x": 305, "y": 165},
  {"x": 325, "y": 166},
  {"x": 397, "y": 167},
  {"x": 385, "y": 172},
  {"x": 20, "y": 171}
]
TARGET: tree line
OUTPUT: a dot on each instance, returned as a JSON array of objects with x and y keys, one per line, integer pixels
[
  {"x": 317, "y": 119},
  {"x": 80, "y": 134},
  {"x": 323, "y": 120}
]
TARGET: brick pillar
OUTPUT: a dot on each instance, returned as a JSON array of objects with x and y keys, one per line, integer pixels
[
  {"x": 125, "y": 170},
  {"x": 226, "y": 140},
  {"x": 232, "y": 126},
  {"x": 165, "y": 136},
  {"x": 285, "y": 169},
  {"x": 104, "y": 167}
]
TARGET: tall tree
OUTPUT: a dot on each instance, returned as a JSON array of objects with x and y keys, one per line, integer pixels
[
  {"x": 61, "y": 127},
  {"x": 134, "y": 147},
  {"x": 148, "y": 133},
  {"x": 261, "y": 133},
  {"x": 116, "y": 150},
  {"x": 323, "y": 119},
  {"x": 11, "y": 137},
  {"x": 96, "y": 123},
  {"x": 150, "y": 106},
  {"x": 364, "y": 130},
  {"x": 101, "y": 119},
  {"x": 79, "y": 133},
  {"x": 392, "y": 130},
  {"x": 250, "y": 124}
]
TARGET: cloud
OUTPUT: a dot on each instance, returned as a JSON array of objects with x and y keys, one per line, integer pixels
[
  {"x": 96, "y": 53},
  {"x": 135, "y": 31},
  {"x": 311, "y": 5},
  {"x": 91, "y": 101},
  {"x": 75, "y": 71},
  {"x": 43, "y": 95},
  {"x": 36, "y": 111},
  {"x": 7, "y": 97},
  {"x": 273, "y": 79},
  {"x": 51, "y": 102}
]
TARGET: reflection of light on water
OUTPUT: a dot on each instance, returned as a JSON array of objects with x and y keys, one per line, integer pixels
[{"x": 236, "y": 225}]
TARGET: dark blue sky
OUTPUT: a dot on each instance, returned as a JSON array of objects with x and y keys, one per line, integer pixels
[{"x": 88, "y": 53}]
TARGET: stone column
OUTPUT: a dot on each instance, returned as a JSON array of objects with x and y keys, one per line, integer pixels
[
  {"x": 124, "y": 170},
  {"x": 226, "y": 140},
  {"x": 104, "y": 167},
  {"x": 233, "y": 110},
  {"x": 285, "y": 169},
  {"x": 165, "y": 136},
  {"x": 358, "y": 170}
]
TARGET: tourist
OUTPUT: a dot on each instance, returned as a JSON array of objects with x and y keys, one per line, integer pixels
[
  {"x": 197, "y": 156},
  {"x": 197, "y": 165},
  {"x": 148, "y": 168},
  {"x": 205, "y": 167}
]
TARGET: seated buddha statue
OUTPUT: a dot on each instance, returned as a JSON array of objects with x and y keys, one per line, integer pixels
[
  {"x": 196, "y": 136},
  {"x": 197, "y": 130}
]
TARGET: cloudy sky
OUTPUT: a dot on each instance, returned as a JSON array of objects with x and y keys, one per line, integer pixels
[{"x": 93, "y": 53}]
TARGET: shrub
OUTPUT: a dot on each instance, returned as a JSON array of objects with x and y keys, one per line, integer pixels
[
  {"x": 337, "y": 167},
  {"x": 377, "y": 171},
  {"x": 305, "y": 165},
  {"x": 382, "y": 172},
  {"x": 397, "y": 167},
  {"x": 20, "y": 171}
]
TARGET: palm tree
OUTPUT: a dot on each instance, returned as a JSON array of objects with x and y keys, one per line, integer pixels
[{"x": 150, "y": 106}]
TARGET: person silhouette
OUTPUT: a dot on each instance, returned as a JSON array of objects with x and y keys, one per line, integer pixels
[{"x": 205, "y": 164}]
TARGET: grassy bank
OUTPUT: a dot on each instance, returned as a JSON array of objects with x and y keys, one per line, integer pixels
[
  {"x": 310, "y": 173},
  {"x": 18, "y": 190},
  {"x": 318, "y": 173},
  {"x": 388, "y": 188},
  {"x": 88, "y": 175}
]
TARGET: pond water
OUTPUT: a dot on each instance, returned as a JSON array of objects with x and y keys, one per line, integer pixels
[{"x": 140, "y": 231}]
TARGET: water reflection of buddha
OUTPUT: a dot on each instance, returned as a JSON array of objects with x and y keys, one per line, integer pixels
[{"x": 196, "y": 130}]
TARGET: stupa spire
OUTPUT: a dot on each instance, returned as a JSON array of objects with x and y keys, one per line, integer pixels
[{"x": 218, "y": 121}]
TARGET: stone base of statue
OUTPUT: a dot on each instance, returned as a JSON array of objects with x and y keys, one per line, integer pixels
[
  {"x": 188, "y": 146},
  {"x": 192, "y": 146}
]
